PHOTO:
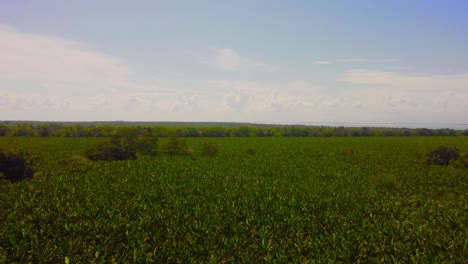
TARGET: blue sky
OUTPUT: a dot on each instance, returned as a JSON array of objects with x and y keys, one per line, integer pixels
[{"x": 246, "y": 61}]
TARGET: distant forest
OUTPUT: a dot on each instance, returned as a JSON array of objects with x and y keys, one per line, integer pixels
[{"x": 165, "y": 129}]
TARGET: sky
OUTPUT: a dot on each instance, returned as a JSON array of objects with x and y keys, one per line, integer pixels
[{"x": 259, "y": 61}]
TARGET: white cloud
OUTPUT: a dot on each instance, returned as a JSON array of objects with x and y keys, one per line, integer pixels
[
  {"x": 47, "y": 78},
  {"x": 322, "y": 62},
  {"x": 369, "y": 97},
  {"x": 418, "y": 98},
  {"x": 51, "y": 78},
  {"x": 411, "y": 82},
  {"x": 236, "y": 100},
  {"x": 356, "y": 61},
  {"x": 282, "y": 102},
  {"x": 53, "y": 62},
  {"x": 263, "y": 97},
  {"x": 185, "y": 103},
  {"x": 368, "y": 60},
  {"x": 230, "y": 60},
  {"x": 398, "y": 68}
]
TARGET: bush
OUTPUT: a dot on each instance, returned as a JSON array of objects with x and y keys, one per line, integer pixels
[
  {"x": 135, "y": 140},
  {"x": 109, "y": 151},
  {"x": 177, "y": 146},
  {"x": 129, "y": 142},
  {"x": 146, "y": 145},
  {"x": 16, "y": 164},
  {"x": 210, "y": 148},
  {"x": 441, "y": 156},
  {"x": 461, "y": 162}
]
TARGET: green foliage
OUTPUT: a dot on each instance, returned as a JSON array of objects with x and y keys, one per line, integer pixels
[
  {"x": 300, "y": 200},
  {"x": 461, "y": 162},
  {"x": 385, "y": 183},
  {"x": 210, "y": 148},
  {"x": 177, "y": 147},
  {"x": 422, "y": 132},
  {"x": 296, "y": 132},
  {"x": 108, "y": 129},
  {"x": 125, "y": 145},
  {"x": 259, "y": 132},
  {"x": 242, "y": 131},
  {"x": 16, "y": 164},
  {"x": 3, "y": 130},
  {"x": 441, "y": 156},
  {"x": 3, "y": 180},
  {"x": 43, "y": 130},
  {"x": 136, "y": 140},
  {"x": 188, "y": 132},
  {"x": 146, "y": 145},
  {"x": 109, "y": 151},
  {"x": 75, "y": 164},
  {"x": 213, "y": 132},
  {"x": 250, "y": 152},
  {"x": 24, "y": 130}
]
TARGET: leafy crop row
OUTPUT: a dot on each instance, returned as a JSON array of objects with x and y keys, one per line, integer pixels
[{"x": 319, "y": 200}]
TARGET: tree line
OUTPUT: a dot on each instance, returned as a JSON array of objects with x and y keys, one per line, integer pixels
[{"x": 79, "y": 130}]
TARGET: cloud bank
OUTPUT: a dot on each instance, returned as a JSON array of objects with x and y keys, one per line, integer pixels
[
  {"x": 230, "y": 60},
  {"x": 51, "y": 78},
  {"x": 370, "y": 96},
  {"x": 52, "y": 61}
]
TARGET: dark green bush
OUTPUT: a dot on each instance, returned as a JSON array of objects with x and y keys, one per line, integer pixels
[
  {"x": 16, "y": 164},
  {"x": 125, "y": 145},
  {"x": 146, "y": 145},
  {"x": 136, "y": 140},
  {"x": 210, "y": 148},
  {"x": 441, "y": 156},
  {"x": 177, "y": 146},
  {"x": 109, "y": 151}
]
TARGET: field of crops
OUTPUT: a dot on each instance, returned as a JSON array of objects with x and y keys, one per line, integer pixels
[{"x": 284, "y": 200}]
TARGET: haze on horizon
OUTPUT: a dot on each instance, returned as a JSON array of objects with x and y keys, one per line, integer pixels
[{"x": 235, "y": 61}]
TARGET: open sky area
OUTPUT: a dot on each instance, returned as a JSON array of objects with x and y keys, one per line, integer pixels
[{"x": 236, "y": 61}]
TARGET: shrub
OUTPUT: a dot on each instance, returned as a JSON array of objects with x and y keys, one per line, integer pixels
[
  {"x": 109, "y": 151},
  {"x": 461, "y": 162},
  {"x": 135, "y": 140},
  {"x": 146, "y": 145},
  {"x": 210, "y": 148},
  {"x": 441, "y": 156},
  {"x": 177, "y": 146},
  {"x": 125, "y": 145},
  {"x": 16, "y": 164}
]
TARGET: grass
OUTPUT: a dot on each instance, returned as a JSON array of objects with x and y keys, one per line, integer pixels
[{"x": 317, "y": 200}]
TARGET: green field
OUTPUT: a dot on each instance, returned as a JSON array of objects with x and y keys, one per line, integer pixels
[{"x": 287, "y": 200}]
